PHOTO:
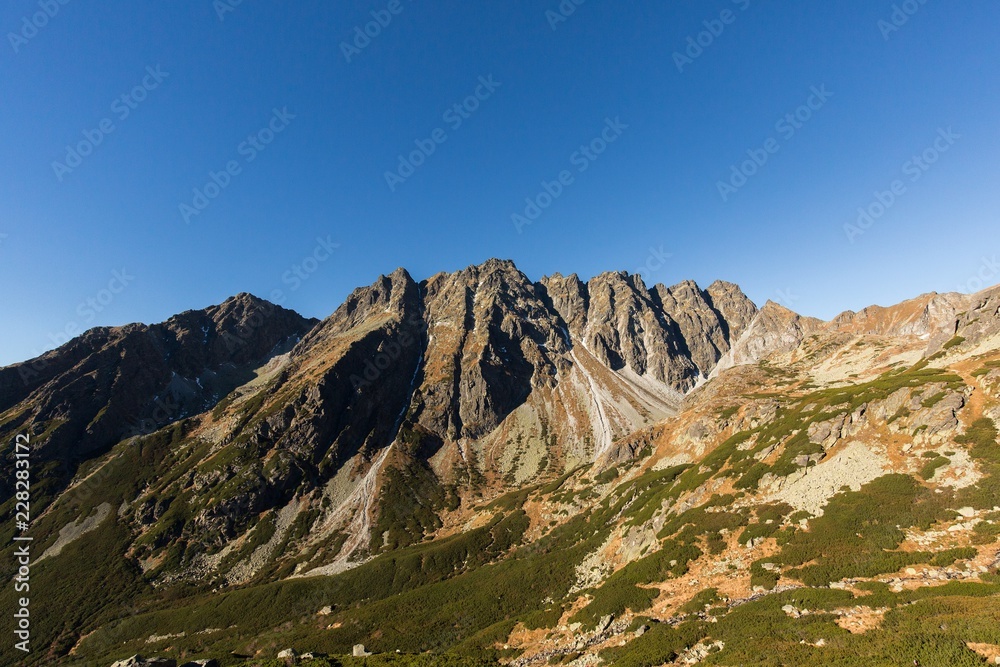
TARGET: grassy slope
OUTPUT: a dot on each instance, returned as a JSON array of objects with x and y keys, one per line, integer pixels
[{"x": 461, "y": 596}]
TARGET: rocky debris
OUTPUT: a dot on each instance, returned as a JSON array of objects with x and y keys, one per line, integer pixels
[
  {"x": 859, "y": 619},
  {"x": 809, "y": 489},
  {"x": 805, "y": 460},
  {"x": 581, "y": 643},
  {"x": 845, "y": 425},
  {"x": 209, "y": 662},
  {"x": 359, "y": 651},
  {"x": 288, "y": 654},
  {"x": 604, "y": 623},
  {"x": 72, "y": 531},
  {"x": 794, "y": 612},
  {"x": 698, "y": 652},
  {"x": 139, "y": 661}
]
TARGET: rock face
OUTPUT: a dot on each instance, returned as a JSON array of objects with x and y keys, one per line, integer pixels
[
  {"x": 290, "y": 448},
  {"x": 112, "y": 383},
  {"x": 773, "y": 330},
  {"x": 479, "y": 372},
  {"x": 676, "y": 334},
  {"x": 480, "y": 369},
  {"x": 926, "y": 315},
  {"x": 982, "y": 319},
  {"x": 456, "y": 356}
]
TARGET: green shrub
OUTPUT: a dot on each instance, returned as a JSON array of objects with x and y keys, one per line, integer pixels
[
  {"x": 982, "y": 436},
  {"x": 858, "y": 531},
  {"x": 931, "y": 466},
  {"x": 626, "y": 588}
]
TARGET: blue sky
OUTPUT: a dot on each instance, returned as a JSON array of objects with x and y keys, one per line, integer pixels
[{"x": 308, "y": 128}]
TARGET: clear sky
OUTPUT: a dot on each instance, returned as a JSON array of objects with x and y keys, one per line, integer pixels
[{"x": 114, "y": 113}]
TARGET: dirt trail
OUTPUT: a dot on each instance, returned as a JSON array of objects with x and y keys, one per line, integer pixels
[{"x": 976, "y": 402}]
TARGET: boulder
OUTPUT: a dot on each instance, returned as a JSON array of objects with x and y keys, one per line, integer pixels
[
  {"x": 139, "y": 661},
  {"x": 604, "y": 623},
  {"x": 134, "y": 661},
  {"x": 359, "y": 651}
]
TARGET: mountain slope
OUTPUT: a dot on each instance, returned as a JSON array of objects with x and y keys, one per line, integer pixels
[{"x": 502, "y": 469}]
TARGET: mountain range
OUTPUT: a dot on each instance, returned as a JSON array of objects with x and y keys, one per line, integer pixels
[{"x": 478, "y": 468}]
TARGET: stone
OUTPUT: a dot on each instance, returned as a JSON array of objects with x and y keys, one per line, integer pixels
[
  {"x": 604, "y": 623},
  {"x": 134, "y": 661},
  {"x": 359, "y": 651},
  {"x": 139, "y": 661}
]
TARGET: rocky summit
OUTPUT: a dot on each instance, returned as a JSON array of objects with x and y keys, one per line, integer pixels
[{"x": 479, "y": 468}]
